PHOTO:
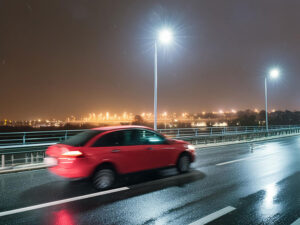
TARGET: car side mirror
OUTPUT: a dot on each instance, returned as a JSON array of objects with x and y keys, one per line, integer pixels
[{"x": 169, "y": 141}]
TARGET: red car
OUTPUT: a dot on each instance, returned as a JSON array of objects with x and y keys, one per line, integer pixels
[{"x": 102, "y": 153}]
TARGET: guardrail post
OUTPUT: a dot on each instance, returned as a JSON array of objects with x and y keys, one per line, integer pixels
[
  {"x": 26, "y": 159},
  {"x": 24, "y": 138},
  {"x": 37, "y": 157},
  {"x": 178, "y": 133},
  {"x": 196, "y": 132},
  {"x": 3, "y": 161},
  {"x": 66, "y": 135},
  {"x": 12, "y": 159},
  {"x": 31, "y": 154}
]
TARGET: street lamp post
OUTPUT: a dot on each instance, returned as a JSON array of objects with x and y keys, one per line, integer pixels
[
  {"x": 155, "y": 85},
  {"x": 273, "y": 74},
  {"x": 266, "y": 102},
  {"x": 164, "y": 37}
]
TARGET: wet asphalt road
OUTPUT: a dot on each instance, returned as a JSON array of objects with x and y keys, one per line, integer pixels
[{"x": 260, "y": 186}]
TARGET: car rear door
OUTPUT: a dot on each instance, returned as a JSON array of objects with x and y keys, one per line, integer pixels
[{"x": 119, "y": 148}]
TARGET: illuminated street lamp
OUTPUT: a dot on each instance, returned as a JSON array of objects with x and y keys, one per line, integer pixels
[
  {"x": 164, "y": 37},
  {"x": 273, "y": 74}
]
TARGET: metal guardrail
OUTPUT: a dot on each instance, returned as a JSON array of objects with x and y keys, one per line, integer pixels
[
  {"x": 34, "y": 137},
  {"x": 29, "y": 147},
  {"x": 241, "y": 136},
  {"x": 213, "y": 131},
  {"x": 12, "y": 159}
]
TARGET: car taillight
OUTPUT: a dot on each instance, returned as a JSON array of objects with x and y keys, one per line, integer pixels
[{"x": 72, "y": 154}]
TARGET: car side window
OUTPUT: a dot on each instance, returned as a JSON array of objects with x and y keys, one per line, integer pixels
[
  {"x": 145, "y": 137},
  {"x": 111, "y": 139}
]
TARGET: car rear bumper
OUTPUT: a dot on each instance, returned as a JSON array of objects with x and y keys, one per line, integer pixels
[
  {"x": 68, "y": 173},
  {"x": 76, "y": 169}
]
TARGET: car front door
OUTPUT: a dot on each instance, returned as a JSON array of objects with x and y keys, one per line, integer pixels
[{"x": 157, "y": 150}]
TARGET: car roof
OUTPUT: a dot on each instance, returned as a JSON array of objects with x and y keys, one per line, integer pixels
[{"x": 121, "y": 127}]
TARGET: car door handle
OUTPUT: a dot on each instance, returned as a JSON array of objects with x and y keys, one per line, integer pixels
[
  {"x": 116, "y": 150},
  {"x": 150, "y": 148},
  {"x": 170, "y": 148}
]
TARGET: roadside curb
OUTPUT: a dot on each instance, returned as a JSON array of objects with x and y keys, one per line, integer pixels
[
  {"x": 16, "y": 169},
  {"x": 27, "y": 145}
]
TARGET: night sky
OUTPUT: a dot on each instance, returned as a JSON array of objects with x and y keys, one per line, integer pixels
[{"x": 61, "y": 58}]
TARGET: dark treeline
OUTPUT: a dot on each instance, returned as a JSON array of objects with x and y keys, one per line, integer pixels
[
  {"x": 29, "y": 128},
  {"x": 251, "y": 118}
]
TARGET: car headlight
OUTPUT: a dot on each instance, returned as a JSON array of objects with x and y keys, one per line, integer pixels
[{"x": 190, "y": 147}]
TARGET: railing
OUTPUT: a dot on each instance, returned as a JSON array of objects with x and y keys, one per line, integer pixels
[
  {"x": 35, "y": 137},
  {"x": 38, "y": 137},
  {"x": 23, "y": 148},
  {"x": 12, "y": 159},
  {"x": 241, "y": 136}
]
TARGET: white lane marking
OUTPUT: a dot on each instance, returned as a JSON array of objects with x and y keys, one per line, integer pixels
[
  {"x": 29, "y": 208},
  {"x": 214, "y": 216},
  {"x": 251, "y": 157},
  {"x": 297, "y": 222},
  {"x": 233, "y": 161}
]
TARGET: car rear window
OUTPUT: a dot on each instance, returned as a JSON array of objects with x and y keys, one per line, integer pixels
[{"x": 82, "y": 138}]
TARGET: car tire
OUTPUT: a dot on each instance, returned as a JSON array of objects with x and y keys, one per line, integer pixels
[
  {"x": 183, "y": 163},
  {"x": 104, "y": 178}
]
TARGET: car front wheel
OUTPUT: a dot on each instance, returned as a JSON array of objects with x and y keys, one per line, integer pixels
[
  {"x": 183, "y": 164},
  {"x": 104, "y": 179}
]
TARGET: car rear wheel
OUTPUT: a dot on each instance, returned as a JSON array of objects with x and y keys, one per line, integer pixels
[
  {"x": 183, "y": 164},
  {"x": 104, "y": 179}
]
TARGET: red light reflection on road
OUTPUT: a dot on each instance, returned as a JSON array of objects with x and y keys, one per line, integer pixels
[{"x": 63, "y": 217}]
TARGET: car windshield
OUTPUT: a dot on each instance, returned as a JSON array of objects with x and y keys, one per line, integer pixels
[{"x": 82, "y": 138}]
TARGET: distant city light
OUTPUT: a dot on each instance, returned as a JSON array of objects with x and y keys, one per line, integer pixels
[
  {"x": 165, "y": 36},
  {"x": 168, "y": 119},
  {"x": 224, "y": 124},
  {"x": 200, "y": 124}
]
